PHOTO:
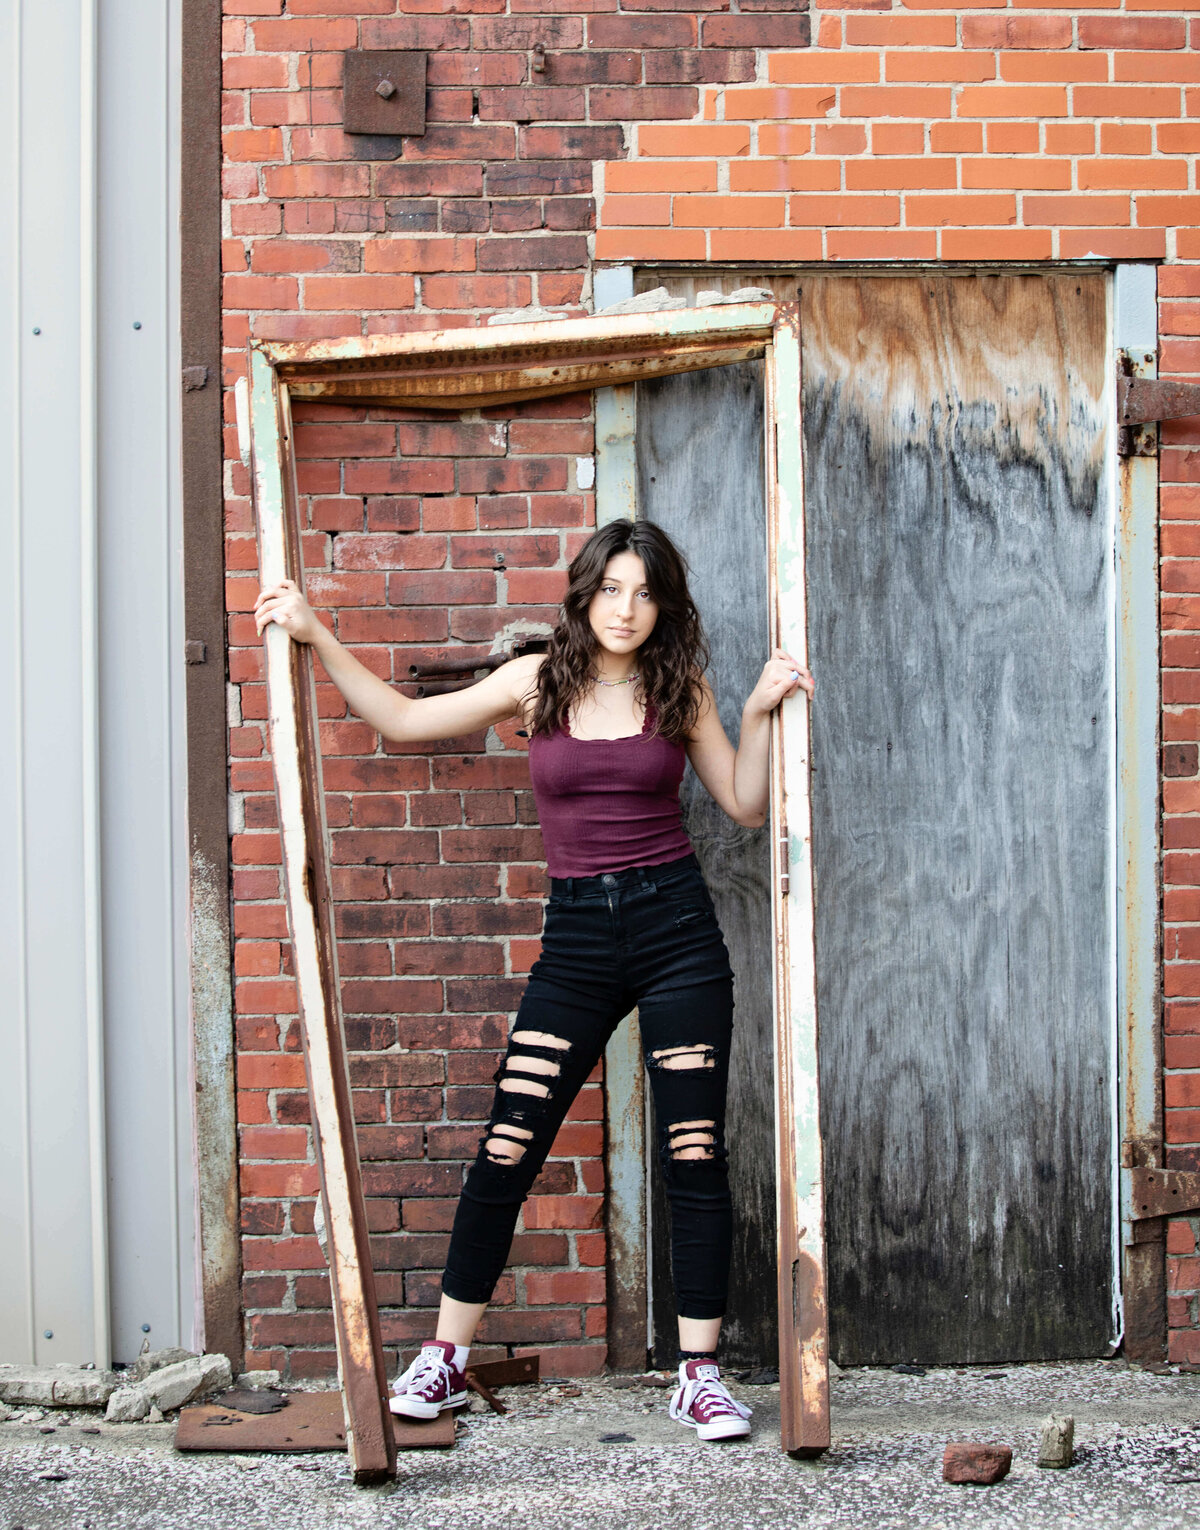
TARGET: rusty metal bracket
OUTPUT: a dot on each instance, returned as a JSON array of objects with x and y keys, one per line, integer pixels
[
  {"x": 481, "y": 1389},
  {"x": 1162, "y": 1193},
  {"x": 1143, "y": 401},
  {"x": 383, "y": 92}
]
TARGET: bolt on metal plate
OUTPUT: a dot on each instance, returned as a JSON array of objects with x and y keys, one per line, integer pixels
[{"x": 383, "y": 92}]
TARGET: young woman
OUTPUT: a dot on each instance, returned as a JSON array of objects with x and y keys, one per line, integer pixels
[{"x": 612, "y": 711}]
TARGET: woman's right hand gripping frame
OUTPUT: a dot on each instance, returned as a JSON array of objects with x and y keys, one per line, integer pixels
[{"x": 505, "y": 693}]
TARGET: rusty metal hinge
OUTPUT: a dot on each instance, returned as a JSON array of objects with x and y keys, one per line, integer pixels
[
  {"x": 1162, "y": 1193},
  {"x": 1146, "y": 401},
  {"x": 785, "y": 880}
]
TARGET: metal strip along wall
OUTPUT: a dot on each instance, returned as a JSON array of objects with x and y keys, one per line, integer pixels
[
  {"x": 1137, "y": 910},
  {"x": 202, "y": 463}
]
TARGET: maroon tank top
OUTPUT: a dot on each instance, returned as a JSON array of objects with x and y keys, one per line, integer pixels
[{"x": 608, "y": 803}]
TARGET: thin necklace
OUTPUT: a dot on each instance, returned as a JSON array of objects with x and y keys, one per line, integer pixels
[{"x": 628, "y": 680}]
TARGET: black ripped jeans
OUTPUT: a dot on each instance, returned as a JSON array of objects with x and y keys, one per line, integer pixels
[{"x": 645, "y": 938}]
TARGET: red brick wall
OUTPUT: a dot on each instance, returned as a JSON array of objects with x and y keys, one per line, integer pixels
[{"x": 906, "y": 131}]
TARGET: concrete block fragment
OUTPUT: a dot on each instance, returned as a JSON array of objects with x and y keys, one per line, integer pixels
[
  {"x": 255, "y": 1381},
  {"x": 177, "y": 1384},
  {"x": 158, "y": 1359},
  {"x": 525, "y": 316},
  {"x": 711, "y": 298},
  {"x": 971, "y": 1462},
  {"x": 1057, "y": 1444},
  {"x": 58, "y": 1386},
  {"x": 127, "y": 1405},
  {"x": 645, "y": 302}
]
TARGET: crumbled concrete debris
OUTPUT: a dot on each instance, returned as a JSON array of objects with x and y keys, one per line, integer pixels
[
  {"x": 525, "y": 316},
  {"x": 62, "y": 1386},
  {"x": 972, "y": 1462},
  {"x": 645, "y": 302},
  {"x": 126, "y": 1406},
  {"x": 268, "y": 1381},
  {"x": 150, "y": 1361},
  {"x": 169, "y": 1388},
  {"x": 711, "y": 299},
  {"x": 1057, "y": 1442}
]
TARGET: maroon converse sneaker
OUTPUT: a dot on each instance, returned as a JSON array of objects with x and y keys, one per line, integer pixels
[
  {"x": 703, "y": 1401},
  {"x": 432, "y": 1382}
]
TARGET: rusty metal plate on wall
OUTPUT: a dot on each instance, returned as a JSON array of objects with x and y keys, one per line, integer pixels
[{"x": 384, "y": 92}]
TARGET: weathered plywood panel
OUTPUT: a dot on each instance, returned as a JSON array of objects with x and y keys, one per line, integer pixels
[
  {"x": 700, "y": 476},
  {"x": 959, "y": 556}
]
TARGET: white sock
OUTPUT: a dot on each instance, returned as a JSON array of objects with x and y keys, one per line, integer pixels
[{"x": 461, "y": 1351}]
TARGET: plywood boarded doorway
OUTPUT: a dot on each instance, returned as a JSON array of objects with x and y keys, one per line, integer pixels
[{"x": 960, "y": 550}]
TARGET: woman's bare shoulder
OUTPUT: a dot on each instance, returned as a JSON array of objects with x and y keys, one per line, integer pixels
[{"x": 523, "y": 672}]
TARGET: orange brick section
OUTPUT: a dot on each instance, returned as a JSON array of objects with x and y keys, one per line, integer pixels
[{"x": 910, "y": 97}]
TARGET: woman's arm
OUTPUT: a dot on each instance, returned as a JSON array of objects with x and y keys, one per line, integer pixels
[
  {"x": 499, "y": 696},
  {"x": 738, "y": 780}
]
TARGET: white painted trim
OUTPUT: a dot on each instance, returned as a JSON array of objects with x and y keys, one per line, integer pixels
[{"x": 1138, "y": 719}]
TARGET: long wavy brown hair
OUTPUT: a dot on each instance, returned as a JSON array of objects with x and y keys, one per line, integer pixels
[{"x": 672, "y": 660}]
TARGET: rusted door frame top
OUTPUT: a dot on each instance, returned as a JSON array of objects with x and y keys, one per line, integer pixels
[{"x": 468, "y": 369}]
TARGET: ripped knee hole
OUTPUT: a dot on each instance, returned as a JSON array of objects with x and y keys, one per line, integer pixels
[
  {"x": 506, "y": 1144},
  {"x": 691, "y": 1140},
  {"x": 677, "y": 1059},
  {"x": 523, "y": 1071}
]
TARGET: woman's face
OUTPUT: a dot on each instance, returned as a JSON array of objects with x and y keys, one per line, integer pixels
[{"x": 622, "y": 612}]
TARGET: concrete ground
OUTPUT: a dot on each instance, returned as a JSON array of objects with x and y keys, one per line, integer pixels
[{"x": 548, "y": 1466}]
